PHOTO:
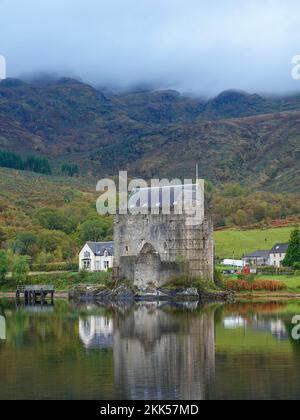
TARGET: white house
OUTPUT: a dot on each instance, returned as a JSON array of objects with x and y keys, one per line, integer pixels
[
  {"x": 277, "y": 254},
  {"x": 96, "y": 256}
]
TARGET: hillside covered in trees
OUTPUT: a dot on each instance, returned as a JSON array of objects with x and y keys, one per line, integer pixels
[
  {"x": 235, "y": 137},
  {"x": 49, "y": 217}
]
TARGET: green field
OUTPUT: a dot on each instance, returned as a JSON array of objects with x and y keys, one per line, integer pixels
[
  {"x": 292, "y": 282},
  {"x": 236, "y": 243}
]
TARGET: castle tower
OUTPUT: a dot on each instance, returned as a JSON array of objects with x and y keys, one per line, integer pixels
[{"x": 155, "y": 247}]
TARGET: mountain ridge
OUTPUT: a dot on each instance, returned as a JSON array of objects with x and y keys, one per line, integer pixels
[{"x": 235, "y": 137}]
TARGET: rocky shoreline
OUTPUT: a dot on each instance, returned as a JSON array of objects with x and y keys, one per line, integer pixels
[{"x": 123, "y": 293}]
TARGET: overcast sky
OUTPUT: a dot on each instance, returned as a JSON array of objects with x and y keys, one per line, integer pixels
[{"x": 190, "y": 45}]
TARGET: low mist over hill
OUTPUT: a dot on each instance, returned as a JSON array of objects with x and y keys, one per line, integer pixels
[{"x": 235, "y": 137}]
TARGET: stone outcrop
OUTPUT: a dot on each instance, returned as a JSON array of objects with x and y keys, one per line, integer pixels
[{"x": 122, "y": 293}]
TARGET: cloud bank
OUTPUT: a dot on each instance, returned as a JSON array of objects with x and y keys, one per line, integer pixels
[{"x": 190, "y": 45}]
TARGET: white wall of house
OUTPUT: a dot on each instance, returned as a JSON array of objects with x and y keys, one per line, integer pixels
[
  {"x": 276, "y": 259},
  {"x": 90, "y": 262}
]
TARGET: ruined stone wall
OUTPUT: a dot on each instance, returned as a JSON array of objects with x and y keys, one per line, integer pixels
[{"x": 158, "y": 240}]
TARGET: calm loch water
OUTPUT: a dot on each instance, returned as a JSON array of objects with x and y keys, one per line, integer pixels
[{"x": 150, "y": 351}]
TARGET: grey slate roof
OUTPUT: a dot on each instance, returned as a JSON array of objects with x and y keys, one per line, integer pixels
[
  {"x": 258, "y": 254},
  {"x": 279, "y": 249},
  {"x": 159, "y": 197},
  {"x": 98, "y": 248}
]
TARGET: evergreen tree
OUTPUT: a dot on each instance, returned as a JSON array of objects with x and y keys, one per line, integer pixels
[
  {"x": 293, "y": 252},
  {"x": 38, "y": 164},
  {"x": 11, "y": 160},
  {"x": 70, "y": 169},
  {"x": 31, "y": 163}
]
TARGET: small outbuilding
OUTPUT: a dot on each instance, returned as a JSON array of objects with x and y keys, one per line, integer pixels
[{"x": 257, "y": 258}]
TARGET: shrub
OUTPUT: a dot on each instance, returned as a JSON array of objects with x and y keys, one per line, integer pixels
[
  {"x": 4, "y": 264},
  {"x": 197, "y": 283},
  {"x": 110, "y": 283},
  {"x": 218, "y": 278},
  {"x": 258, "y": 285},
  {"x": 274, "y": 270},
  {"x": 181, "y": 281},
  {"x": 204, "y": 285},
  {"x": 48, "y": 268},
  {"x": 66, "y": 281},
  {"x": 250, "y": 278},
  {"x": 296, "y": 266}
]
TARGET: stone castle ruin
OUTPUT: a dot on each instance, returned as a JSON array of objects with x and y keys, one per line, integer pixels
[{"x": 157, "y": 248}]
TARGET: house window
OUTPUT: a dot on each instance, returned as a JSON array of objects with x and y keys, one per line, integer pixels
[
  {"x": 87, "y": 254},
  {"x": 106, "y": 265},
  {"x": 86, "y": 265}
]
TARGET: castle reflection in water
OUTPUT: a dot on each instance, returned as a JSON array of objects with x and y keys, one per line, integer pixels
[{"x": 156, "y": 352}]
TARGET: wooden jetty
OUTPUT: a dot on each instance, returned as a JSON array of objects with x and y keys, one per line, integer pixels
[{"x": 35, "y": 293}]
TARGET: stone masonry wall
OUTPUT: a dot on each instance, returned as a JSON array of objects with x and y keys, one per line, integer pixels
[{"x": 148, "y": 248}]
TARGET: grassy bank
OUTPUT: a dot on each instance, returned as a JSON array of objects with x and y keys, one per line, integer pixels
[
  {"x": 63, "y": 282},
  {"x": 236, "y": 243}
]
